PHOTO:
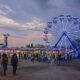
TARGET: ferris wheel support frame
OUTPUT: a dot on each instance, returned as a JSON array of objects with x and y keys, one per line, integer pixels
[{"x": 65, "y": 34}]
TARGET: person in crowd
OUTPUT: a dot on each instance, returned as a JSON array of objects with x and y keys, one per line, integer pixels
[
  {"x": 25, "y": 56},
  {"x": 55, "y": 57},
  {"x": 70, "y": 56},
  {"x": 14, "y": 63},
  {"x": 52, "y": 59},
  {"x": 48, "y": 59},
  {"x": 0, "y": 55},
  {"x": 66, "y": 57},
  {"x": 4, "y": 63},
  {"x": 59, "y": 59}
]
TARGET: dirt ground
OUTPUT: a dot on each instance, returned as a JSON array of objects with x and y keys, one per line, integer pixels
[{"x": 28, "y": 70}]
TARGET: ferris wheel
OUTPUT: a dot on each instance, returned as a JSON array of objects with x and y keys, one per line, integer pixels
[{"x": 62, "y": 31}]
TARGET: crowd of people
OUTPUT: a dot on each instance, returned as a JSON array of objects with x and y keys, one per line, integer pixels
[
  {"x": 4, "y": 63},
  {"x": 40, "y": 57},
  {"x": 47, "y": 57}
]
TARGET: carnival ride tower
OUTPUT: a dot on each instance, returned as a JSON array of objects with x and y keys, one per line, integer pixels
[{"x": 6, "y": 40}]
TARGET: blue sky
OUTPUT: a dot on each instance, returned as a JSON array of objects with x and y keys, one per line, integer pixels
[{"x": 21, "y": 18}]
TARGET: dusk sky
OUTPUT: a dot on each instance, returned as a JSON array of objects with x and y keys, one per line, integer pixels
[{"x": 25, "y": 20}]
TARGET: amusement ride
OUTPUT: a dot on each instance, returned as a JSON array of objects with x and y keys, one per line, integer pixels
[{"x": 62, "y": 32}]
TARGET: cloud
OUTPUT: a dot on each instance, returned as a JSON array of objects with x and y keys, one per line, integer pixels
[
  {"x": 20, "y": 30},
  {"x": 22, "y": 33},
  {"x": 2, "y": 12},
  {"x": 35, "y": 23},
  {"x": 24, "y": 40},
  {"x": 73, "y": 3},
  {"x": 44, "y": 4},
  {"x": 4, "y": 9},
  {"x": 18, "y": 41},
  {"x": 5, "y": 21}
]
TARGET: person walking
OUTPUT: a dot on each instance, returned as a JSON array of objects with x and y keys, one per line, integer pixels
[
  {"x": 4, "y": 63},
  {"x": 59, "y": 59},
  {"x": 14, "y": 63}
]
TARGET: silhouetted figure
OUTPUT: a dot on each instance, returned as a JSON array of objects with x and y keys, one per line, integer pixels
[
  {"x": 4, "y": 63},
  {"x": 59, "y": 59},
  {"x": 14, "y": 63},
  {"x": 0, "y": 55},
  {"x": 70, "y": 56},
  {"x": 25, "y": 56}
]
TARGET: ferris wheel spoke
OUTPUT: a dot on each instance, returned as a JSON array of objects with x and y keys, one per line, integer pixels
[
  {"x": 77, "y": 31},
  {"x": 62, "y": 21},
  {"x": 57, "y": 26},
  {"x": 67, "y": 24},
  {"x": 74, "y": 41},
  {"x": 74, "y": 32},
  {"x": 69, "y": 27},
  {"x": 65, "y": 43},
  {"x": 54, "y": 30},
  {"x": 74, "y": 27},
  {"x": 63, "y": 28},
  {"x": 61, "y": 44},
  {"x": 74, "y": 36}
]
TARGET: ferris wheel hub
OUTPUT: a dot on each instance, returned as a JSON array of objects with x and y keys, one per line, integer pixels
[{"x": 64, "y": 32}]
